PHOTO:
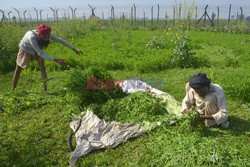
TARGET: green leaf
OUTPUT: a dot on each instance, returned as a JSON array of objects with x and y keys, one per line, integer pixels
[{"x": 1, "y": 109}]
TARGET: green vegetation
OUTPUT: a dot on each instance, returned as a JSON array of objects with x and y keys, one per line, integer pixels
[
  {"x": 137, "y": 107},
  {"x": 34, "y": 126}
]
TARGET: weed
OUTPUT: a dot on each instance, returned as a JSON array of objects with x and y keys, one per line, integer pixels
[{"x": 182, "y": 56}]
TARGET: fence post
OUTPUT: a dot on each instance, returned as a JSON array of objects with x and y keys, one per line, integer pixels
[
  {"x": 134, "y": 14},
  {"x": 180, "y": 12},
  {"x": 213, "y": 16},
  {"x": 9, "y": 16},
  {"x": 241, "y": 14},
  {"x": 196, "y": 12},
  {"x": 205, "y": 17},
  {"x": 24, "y": 17},
  {"x": 166, "y": 17},
  {"x": 84, "y": 17},
  {"x": 237, "y": 16},
  {"x": 41, "y": 15},
  {"x": 18, "y": 15},
  {"x": 152, "y": 17},
  {"x": 123, "y": 17},
  {"x": 144, "y": 19},
  {"x": 102, "y": 15},
  {"x": 36, "y": 14},
  {"x": 158, "y": 13},
  {"x": 56, "y": 13},
  {"x": 92, "y": 11},
  {"x": 218, "y": 16},
  {"x": 72, "y": 11},
  {"x": 112, "y": 15},
  {"x": 229, "y": 15},
  {"x": 53, "y": 13},
  {"x": 2, "y": 16},
  {"x": 189, "y": 19},
  {"x": 174, "y": 15},
  {"x": 75, "y": 13}
]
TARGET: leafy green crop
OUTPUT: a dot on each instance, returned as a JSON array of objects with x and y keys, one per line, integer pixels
[
  {"x": 34, "y": 126},
  {"x": 136, "y": 107},
  {"x": 77, "y": 83}
]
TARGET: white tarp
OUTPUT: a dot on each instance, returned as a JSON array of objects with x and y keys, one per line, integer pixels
[{"x": 95, "y": 133}]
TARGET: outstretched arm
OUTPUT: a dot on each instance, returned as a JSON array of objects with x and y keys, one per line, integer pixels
[{"x": 65, "y": 43}]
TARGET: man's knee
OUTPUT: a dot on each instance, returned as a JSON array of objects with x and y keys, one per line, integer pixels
[
  {"x": 41, "y": 63},
  {"x": 18, "y": 69},
  {"x": 40, "y": 60}
]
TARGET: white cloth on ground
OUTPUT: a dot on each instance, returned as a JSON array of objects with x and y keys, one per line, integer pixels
[{"x": 95, "y": 133}]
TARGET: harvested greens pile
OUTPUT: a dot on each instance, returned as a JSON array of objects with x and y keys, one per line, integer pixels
[
  {"x": 115, "y": 105},
  {"x": 134, "y": 107}
]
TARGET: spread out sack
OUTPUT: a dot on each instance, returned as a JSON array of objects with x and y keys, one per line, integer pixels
[{"x": 93, "y": 133}]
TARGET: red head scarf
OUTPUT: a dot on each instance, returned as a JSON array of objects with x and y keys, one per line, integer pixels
[{"x": 43, "y": 29}]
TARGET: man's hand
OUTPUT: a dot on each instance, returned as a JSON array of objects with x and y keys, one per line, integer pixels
[
  {"x": 77, "y": 51},
  {"x": 197, "y": 119},
  {"x": 61, "y": 62}
]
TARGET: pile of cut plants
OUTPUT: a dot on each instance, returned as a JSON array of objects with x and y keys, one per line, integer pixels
[{"x": 116, "y": 105}]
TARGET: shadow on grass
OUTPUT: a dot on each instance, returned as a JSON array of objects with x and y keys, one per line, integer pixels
[{"x": 238, "y": 126}]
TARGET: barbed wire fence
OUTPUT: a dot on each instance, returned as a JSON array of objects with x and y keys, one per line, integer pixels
[{"x": 136, "y": 14}]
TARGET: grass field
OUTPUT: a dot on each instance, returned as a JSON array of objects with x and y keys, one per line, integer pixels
[{"x": 34, "y": 126}]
